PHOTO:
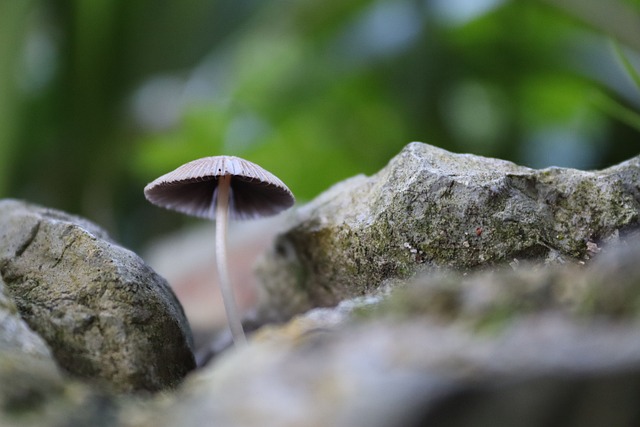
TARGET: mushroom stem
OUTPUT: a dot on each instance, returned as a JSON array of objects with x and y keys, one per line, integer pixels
[{"x": 222, "y": 218}]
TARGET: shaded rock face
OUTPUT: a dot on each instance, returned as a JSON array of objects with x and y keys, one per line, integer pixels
[
  {"x": 28, "y": 373},
  {"x": 412, "y": 374},
  {"x": 430, "y": 209},
  {"x": 103, "y": 313},
  {"x": 529, "y": 347},
  {"x": 15, "y": 334}
]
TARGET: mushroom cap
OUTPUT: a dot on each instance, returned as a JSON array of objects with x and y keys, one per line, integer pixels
[{"x": 191, "y": 188}]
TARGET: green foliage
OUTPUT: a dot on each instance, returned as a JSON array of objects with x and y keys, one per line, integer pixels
[
  {"x": 98, "y": 98},
  {"x": 611, "y": 106},
  {"x": 12, "y": 34},
  {"x": 629, "y": 68}
]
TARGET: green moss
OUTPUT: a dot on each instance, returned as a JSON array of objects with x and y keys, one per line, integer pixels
[
  {"x": 417, "y": 218},
  {"x": 496, "y": 320}
]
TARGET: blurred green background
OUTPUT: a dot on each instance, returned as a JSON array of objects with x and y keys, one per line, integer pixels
[{"x": 99, "y": 97}]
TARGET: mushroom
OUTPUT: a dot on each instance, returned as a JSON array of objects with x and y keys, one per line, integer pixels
[{"x": 219, "y": 188}]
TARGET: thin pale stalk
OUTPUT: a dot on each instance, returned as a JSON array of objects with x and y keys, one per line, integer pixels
[{"x": 222, "y": 219}]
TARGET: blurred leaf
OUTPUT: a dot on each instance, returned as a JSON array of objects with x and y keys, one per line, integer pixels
[
  {"x": 13, "y": 30},
  {"x": 615, "y": 109},
  {"x": 614, "y": 18},
  {"x": 629, "y": 68},
  {"x": 553, "y": 99}
]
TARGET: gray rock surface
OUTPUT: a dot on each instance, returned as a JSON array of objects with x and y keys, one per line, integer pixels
[
  {"x": 33, "y": 390},
  {"x": 33, "y": 393},
  {"x": 104, "y": 314},
  {"x": 27, "y": 370},
  {"x": 430, "y": 209},
  {"x": 539, "y": 336},
  {"x": 15, "y": 334},
  {"x": 524, "y": 348}
]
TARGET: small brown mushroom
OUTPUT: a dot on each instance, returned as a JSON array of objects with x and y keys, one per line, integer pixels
[{"x": 222, "y": 187}]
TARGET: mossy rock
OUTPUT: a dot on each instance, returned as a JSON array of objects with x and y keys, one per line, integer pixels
[
  {"x": 105, "y": 315},
  {"x": 430, "y": 209}
]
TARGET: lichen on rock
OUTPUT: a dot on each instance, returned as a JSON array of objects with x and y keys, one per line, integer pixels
[
  {"x": 430, "y": 209},
  {"x": 105, "y": 315}
]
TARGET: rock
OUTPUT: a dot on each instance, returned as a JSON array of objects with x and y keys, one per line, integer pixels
[
  {"x": 33, "y": 390},
  {"x": 27, "y": 369},
  {"x": 412, "y": 373},
  {"x": 430, "y": 209},
  {"x": 511, "y": 347},
  {"x": 15, "y": 334},
  {"x": 104, "y": 314},
  {"x": 33, "y": 393}
]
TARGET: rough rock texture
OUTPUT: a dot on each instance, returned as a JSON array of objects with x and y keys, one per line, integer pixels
[
  {"x": 104, "y": 314},
  {"x": 27, "y": 369},
  {"x": 15, "y": 334},
  {"x": 33, "y": 390},
  {"x": 430, "y": 209},
  {"x": 526, "y": 348}
]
